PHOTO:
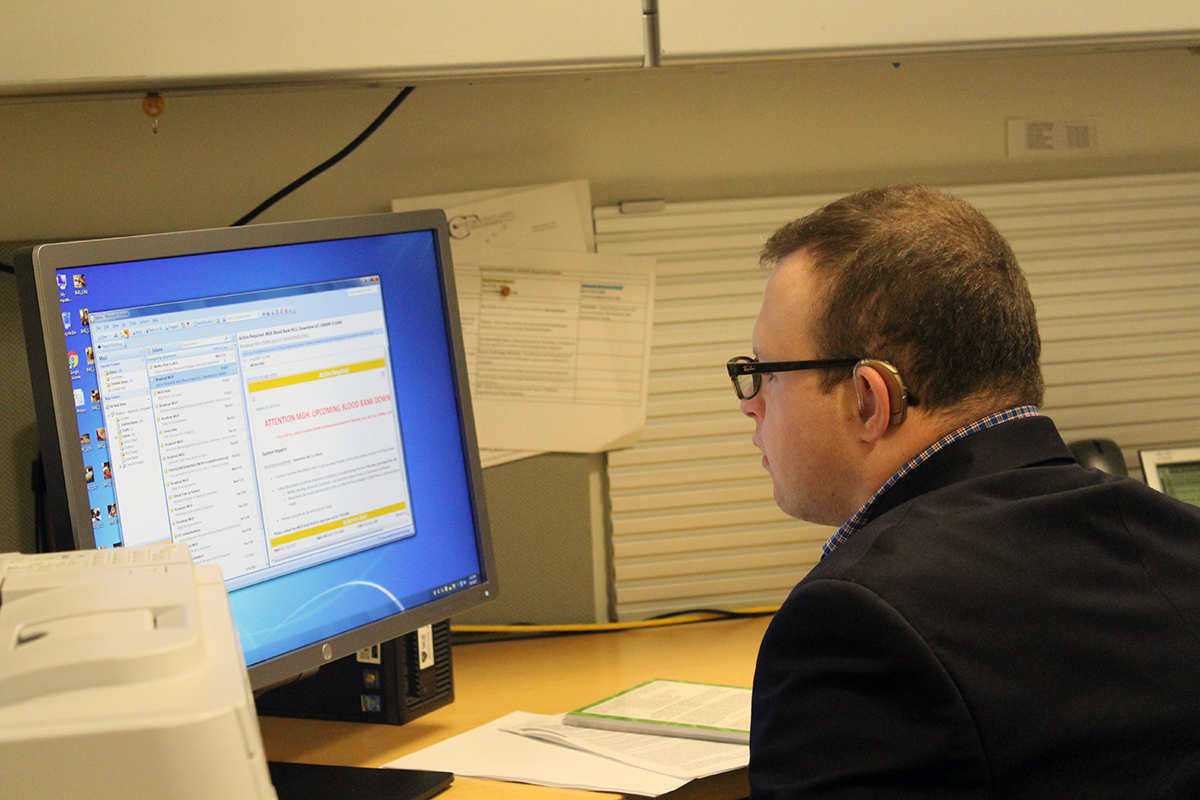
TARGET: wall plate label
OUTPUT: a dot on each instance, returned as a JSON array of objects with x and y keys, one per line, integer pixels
[{"x": 1035, "y": 137}]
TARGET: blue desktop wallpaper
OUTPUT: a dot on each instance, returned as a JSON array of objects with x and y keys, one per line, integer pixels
[{"x": 294, "y": 610}]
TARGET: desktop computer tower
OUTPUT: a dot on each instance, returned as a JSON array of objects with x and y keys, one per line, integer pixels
[{"x": 388, "y": 684}]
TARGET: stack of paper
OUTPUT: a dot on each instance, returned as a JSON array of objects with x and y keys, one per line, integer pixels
[
  {"x": 596, "y": 751},
  {"x": 540, "y": 749}
]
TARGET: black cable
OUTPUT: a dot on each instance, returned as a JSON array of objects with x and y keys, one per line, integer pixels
[
  {"x": 717, "y": 613},
  {"x": 459, "y": 635},
  {"x": 41, "y": 528},
  {"x": 317, "y": 170},
  {"x": 471, "y": 637}
]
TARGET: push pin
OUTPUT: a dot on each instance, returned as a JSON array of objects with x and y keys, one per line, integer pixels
[
  {"x": 154, "y": 105},
  {"x": 505, "y": 291}
]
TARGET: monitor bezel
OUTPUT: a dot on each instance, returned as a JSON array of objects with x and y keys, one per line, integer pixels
[
  {"x": 67, "y": 504},
  {"x": 1152, "y": 458}
]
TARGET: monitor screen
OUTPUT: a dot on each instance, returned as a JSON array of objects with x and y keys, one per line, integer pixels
[
  {"x": 1175, "y": 472},
  {"x": 288, "y": 400}
]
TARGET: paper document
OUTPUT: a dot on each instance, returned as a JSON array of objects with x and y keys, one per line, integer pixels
[
  {"x": 552, "y": 217},
  {"x": 493, "y": 753},
  {"x": 673, "y": 708},
  {"x": 555, "y": 216},
  {"x": 557, "y": 346},
  {"x": 669, "y": 755}
]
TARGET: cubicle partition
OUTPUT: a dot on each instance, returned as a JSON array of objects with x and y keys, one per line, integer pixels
[{"x": 1114, "y": 267}]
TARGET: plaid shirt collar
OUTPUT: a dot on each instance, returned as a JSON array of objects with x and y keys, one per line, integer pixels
[{"x": 861, "y": 517}]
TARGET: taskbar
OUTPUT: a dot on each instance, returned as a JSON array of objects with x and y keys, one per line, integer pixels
[{"x": 438, "y": 592}]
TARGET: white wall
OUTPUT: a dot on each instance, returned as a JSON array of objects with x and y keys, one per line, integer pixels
[{"x": 83, "y": 168}]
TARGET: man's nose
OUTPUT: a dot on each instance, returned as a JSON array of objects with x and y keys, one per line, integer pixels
[{"x": 751, "y": 408}]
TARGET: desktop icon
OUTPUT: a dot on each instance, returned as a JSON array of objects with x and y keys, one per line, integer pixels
[
  {"x": 73, "y": 359},
  {"x": 80, "y": 281},
  {"x": 66, "y": 320},
  {"x": 83, "y": 317},
  {"x": 62, "y": 282},
  {"x": 80, "y": 400}
]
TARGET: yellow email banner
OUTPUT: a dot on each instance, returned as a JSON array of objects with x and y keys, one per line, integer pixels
[
  {"x": 336, "y": 524},
  {"x": 321, "y": 374}
]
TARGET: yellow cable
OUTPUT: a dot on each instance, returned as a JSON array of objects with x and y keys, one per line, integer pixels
[{"x": 682, "y": 619}]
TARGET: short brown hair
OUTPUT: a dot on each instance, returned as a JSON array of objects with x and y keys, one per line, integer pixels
[{"x": 922, "y": 279}]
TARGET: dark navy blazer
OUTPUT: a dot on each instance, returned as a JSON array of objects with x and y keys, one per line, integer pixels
[{"x": 1007, "y": 625}]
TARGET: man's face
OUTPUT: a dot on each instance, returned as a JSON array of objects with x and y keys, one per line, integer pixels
[{"x": 803, "y": 433}]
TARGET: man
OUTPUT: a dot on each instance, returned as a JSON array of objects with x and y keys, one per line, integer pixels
[{"x": 991, "y": 620}]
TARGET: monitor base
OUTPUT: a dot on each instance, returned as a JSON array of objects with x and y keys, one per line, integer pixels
[{"x": 391, "y": 685}]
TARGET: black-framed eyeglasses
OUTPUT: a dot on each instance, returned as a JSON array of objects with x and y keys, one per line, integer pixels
[{"x": 746, "y": 371}]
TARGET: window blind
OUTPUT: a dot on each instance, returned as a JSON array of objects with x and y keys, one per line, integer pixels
[{"x": 1114, "y": 267}]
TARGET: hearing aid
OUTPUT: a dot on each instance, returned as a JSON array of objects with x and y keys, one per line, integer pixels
[{"x": 898, "y": 399}]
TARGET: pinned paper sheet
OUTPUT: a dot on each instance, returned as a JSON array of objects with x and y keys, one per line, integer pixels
[
  {"x": 556, "y": 216},
  {"x": 557, "y": 337},
  {"x": 558, "y": 347}
]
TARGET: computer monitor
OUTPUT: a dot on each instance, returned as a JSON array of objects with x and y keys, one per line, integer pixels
[
  {"x": 1175, "y": 472},
  {"x": 290, "y": 400}
]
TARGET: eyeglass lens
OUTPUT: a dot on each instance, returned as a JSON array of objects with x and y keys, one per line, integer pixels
[{"x": 747, "y": 385}]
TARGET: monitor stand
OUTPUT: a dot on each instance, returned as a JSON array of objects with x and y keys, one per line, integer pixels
[
  {"x": 403, "y": 684},
  {"x": 320, "y": 782},
  {"x": 391, "y": 683}
]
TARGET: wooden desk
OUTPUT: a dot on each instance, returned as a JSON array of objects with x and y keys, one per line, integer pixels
[{"x": 542, "y": 676}]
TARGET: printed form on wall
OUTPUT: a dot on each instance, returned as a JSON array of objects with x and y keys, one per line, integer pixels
[
  {"x": 554, "y": 333},
  {"x": 554, "y": 340}
]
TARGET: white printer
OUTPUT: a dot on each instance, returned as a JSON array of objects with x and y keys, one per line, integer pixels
[{"x": 121, "y": 676}]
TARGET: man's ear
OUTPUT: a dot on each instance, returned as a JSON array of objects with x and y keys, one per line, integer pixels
[{"x": 881, "y": 402}]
